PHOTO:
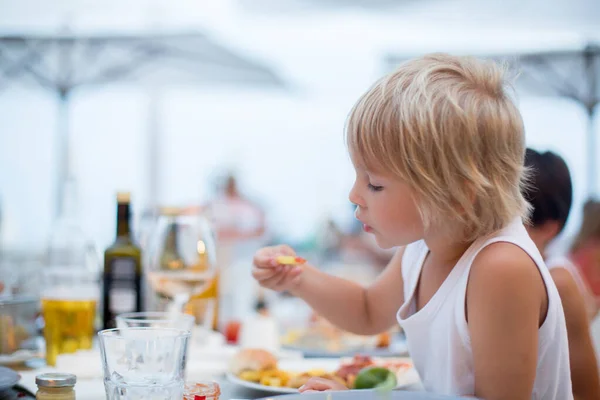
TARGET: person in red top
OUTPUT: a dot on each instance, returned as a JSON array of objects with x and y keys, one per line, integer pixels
[{"x": 585, "y": 253}]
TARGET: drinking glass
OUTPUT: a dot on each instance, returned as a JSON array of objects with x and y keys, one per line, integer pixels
[
  {"x": 143, "y": 363},
  {"x": 182, "y": 261},
  {"x": 157, "y": 319}
]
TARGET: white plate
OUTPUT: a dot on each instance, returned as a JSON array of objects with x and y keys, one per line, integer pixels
[
  {"x": 19, "y": 357},
  {"x": 405, "y": 378},
  {"x": 257, "y": 386},
  {"x": 395, "y": 351}
]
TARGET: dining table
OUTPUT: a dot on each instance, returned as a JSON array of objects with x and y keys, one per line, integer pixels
[{"x": 208, "y": 360}]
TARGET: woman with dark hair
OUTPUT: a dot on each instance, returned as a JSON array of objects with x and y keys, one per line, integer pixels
[{"x": 550, "y": 194}]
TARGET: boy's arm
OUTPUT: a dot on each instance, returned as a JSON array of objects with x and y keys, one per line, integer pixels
[
  {"x": 350, "y": 306},
  {"x": 505, "y": 298},
  {"x": 582, "y": 356}
]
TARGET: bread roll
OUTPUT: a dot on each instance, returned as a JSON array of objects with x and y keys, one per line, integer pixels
[{"x": 252, "y": 360}]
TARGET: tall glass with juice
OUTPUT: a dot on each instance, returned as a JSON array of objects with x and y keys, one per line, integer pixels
[
  {"x": 69, "y": 300},
  {"x": 70, "y": 283}
]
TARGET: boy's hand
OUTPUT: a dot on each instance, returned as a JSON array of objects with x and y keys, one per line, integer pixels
[
  {"x": 316, "y": 384},
  {"x": 270, "y": 273}
]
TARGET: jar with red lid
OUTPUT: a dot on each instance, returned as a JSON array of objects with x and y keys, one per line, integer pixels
[{"x": 203, "y": 390}]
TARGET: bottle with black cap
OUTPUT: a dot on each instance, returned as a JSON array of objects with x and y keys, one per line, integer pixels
[{"x": 122, "y": 278}]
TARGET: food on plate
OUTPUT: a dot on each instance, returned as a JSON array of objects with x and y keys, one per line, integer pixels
[
  {"x": 351, "y": 368},
  {"x": 290, "y": 260},
  {"x": 300, "y": 379},
  {"x": 259, "y": 366},
  {"x": 253, "y": 360},
  {"x": 375, "y": 378},
  {"x": 360, "y": 372},
  {"x": 274, "y": 377}
]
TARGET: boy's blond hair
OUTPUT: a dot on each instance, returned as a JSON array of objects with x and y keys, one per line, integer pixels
[{"x": 446, "y": 126}]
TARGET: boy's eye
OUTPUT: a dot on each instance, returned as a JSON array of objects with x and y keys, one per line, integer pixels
[{"x": 375, "y": 188}]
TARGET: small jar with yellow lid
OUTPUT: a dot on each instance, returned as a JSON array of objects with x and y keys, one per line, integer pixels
[{"x": 55, "y": 386}]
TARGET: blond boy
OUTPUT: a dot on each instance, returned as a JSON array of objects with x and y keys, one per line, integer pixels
[{"x": 438, "y": 150}]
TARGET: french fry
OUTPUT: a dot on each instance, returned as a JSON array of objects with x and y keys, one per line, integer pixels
[
  {"x": 290, "y": 260},
  {"x": 281, "y": 378},
  {"x": 316, "y": 372},
  {"x": 273, "y": 377},
  {"x": 251, "y": 376},
  {"x": 270, "y": 381}
]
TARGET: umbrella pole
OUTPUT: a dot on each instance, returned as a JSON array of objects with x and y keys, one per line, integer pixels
[
  {"x": 63, "y": 152},
  {"x": 591, "y": 155},
  {"x": 154, "y": 147},
  {"x": 590, "y": 56}
]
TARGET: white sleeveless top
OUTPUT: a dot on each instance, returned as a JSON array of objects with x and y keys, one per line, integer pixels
[
  {"x": 592, "y": 303},
  {"x": 438, "y": 336}
]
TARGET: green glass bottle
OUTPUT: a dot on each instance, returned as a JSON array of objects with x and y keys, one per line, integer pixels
[{"x": 123, "y": 277}]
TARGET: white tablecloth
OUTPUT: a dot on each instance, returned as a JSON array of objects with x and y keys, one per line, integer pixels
[{"x": 209, "y": 361}]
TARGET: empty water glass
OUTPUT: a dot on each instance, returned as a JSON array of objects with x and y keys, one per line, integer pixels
[
  {"x": 143, "y": 363},
  {"x": 155, "y": 320},
  {"x": 151, "y": 319}
]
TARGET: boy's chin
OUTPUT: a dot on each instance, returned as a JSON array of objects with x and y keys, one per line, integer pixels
[
  {"x": 389, "y": 243},
  {"x": 383, "y": 242}
]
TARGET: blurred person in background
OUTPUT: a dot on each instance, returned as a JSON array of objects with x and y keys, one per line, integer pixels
[
  {"x": 550, "y": 194},
  {"x": 236, "y": 218},
  {"x": 240, "y": 227},
  {"x": 585, "y": 254}
]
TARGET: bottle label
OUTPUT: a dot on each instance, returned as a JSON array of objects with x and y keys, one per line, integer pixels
[
  {"x": 122, "y": 300},
  {"x": 123, "y": 269},
  {"x": 122, "y": 291}
]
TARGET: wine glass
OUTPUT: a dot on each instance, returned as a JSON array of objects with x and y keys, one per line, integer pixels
[{"x": 182, "y": 261}]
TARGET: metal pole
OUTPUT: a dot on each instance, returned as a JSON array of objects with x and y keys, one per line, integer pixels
[
  {"x": 589, "y": 60},
  {"x": 592, "y": 184},
  {"x": 63, "y": 154},
  {"x": 154, "y": 147}
]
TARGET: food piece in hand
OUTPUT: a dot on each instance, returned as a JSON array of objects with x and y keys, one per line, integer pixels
[
  {"x": 383, "y": 340},
  {"x": 375, "y": 378},
  {"x": 252, "y": 360},
  {"x": 290, "y": 260}
]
